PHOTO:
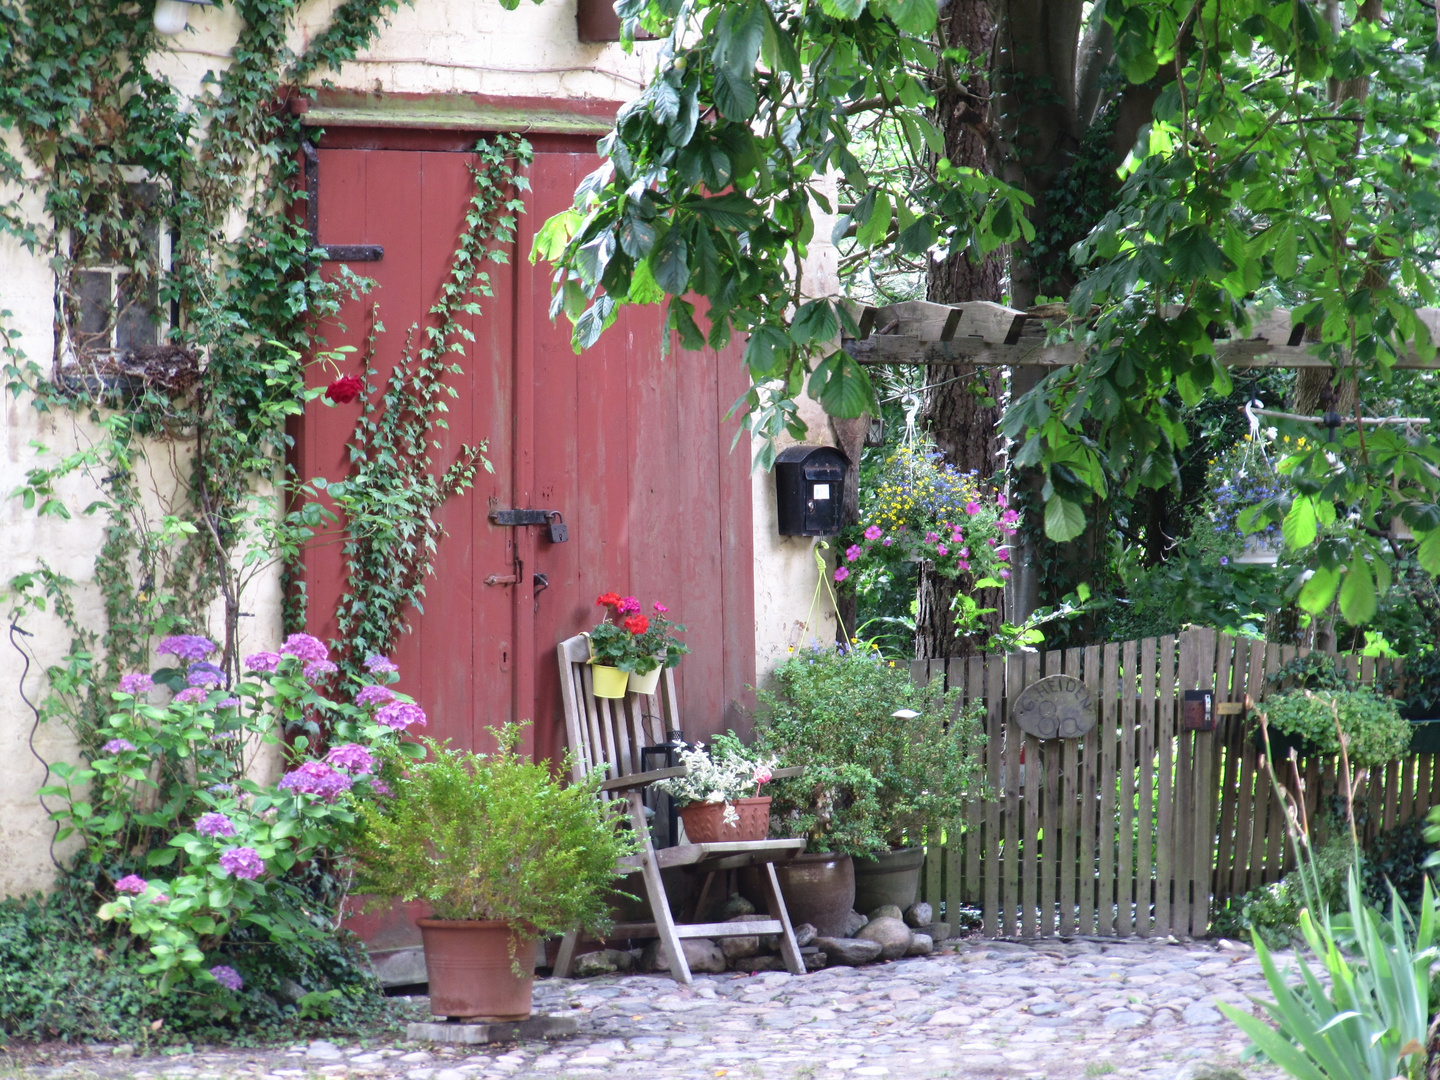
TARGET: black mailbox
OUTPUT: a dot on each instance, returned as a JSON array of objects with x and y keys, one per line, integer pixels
[{"x": 810, "y": 489}]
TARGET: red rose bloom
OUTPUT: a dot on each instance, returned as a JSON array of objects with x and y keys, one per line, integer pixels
[
  {"x": 344, "y": 389},
  {"x": 608, "y": 599},
  {"x": 636, "y": 624}
]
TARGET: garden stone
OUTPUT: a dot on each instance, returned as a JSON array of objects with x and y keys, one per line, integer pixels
[
  {"x": 805, "y": 934},
  {"x": 124, "y": 1050},
  {"x": 1123, "y": 1018},
  {"x": 920, "y": 945},
  {"x": 1198, "y": 1014},
  {"x": 702, "y": 954},
  {"x": 938, "y": 931},
  {"x": 734, "y": 907},
  {"x": 768, "y": 962},
  {"x": 890, "y": 932},
  {"x": 854, "y": 921},
  {"x": 603, "y": 962},
  {"x": 738, "y": 948},
  {"x": 326, "y": 1051},
  {"x": 919, "y": 915},
  {"x": 815, "y": 960},
  {"x": 885, "y": 911},
  {"x": 1197, "y": 1070},
  {"x": 850, "y": 952},
  {"x": 952, "y": 1018}
]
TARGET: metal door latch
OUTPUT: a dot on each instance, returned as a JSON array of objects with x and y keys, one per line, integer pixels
[{"x": 559, "y": 531}]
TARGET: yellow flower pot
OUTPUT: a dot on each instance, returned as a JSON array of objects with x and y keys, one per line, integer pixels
[{"x": 610, "y": 682}]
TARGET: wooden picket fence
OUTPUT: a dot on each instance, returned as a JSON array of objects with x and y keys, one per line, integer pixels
[{"x": 1138, "y": 827}]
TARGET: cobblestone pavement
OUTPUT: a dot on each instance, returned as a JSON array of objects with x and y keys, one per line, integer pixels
[{"x": 1063, "y": 1011}]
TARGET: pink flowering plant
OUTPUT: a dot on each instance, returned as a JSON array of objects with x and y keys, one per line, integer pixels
[
  {"x": 171, "y": 808},
  {"x": 635, "y": 640}
]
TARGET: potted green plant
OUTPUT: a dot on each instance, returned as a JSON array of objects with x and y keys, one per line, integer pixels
[
  {"x": 628, "y": 650},
  {"x": 883, "y": 760},
  {"x": 719, "y": 797},
  {"x": 1306, "y": 720},
  {"x": 503, "y": 853}
]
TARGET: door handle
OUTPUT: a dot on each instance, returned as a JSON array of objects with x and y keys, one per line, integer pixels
[{"x": 502, "y": 579}]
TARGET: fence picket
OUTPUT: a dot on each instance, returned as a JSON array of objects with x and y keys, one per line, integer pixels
[
  {"x": 1145, "y": 841},
  {"x": 1014, "y": 682},
  {"x": 1070, "y": 812},
  {"x": 1109, "y": 732},
  {"x": 1031, "y": 798},
  {"x": 1125, "y": 864},
  {"x": 970, "y": 889},
  {"x": 1165, "y": 813},
  {"x": 1213, "y": 674},
  {"x": 992, "y": 923},
  {"x": 1088, "y": 877}
]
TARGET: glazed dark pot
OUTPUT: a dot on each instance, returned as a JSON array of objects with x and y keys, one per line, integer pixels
[
  {"x": 819, "y": 889},
  {"x": 469, "y": 967},
  {"x": 892, "y": 877}
]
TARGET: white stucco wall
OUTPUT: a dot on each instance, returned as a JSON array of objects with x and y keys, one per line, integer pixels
[{"x": 434, "y": 46}]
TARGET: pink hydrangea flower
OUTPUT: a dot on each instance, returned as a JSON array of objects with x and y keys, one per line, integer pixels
[
  {"x": 187, "y": 646},
  {"x": 136, "y": 683},
  {"x": 242, "y": 862},
  {"x": 378, "y": 664},
  {"x": 874, "y": 532},
  {"x": 306, "y": 648},
  {"x": 374, "y": 695},
  {"x": 118, "y": 746},
  {"x": 852, "y": 553},
  {"x": 227, "y": 977},
  {"x": 841, "y": 573},
  {"x": 315, "y": 778},
  {"x": 132, "y": 884},
  {"x": 318, "y": 668},
  {"x": 215, "y": 825},
  {"x": 353, "y": 758},
  {"x": 202, "y": 674},
  {"x": 160, "y": 898},
  {"x": 192, "y": 695},
  {"x": 263, "y": 661},
  {"x": 401, "y": 714}
]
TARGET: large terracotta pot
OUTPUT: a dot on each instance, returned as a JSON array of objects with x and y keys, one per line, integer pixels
[
  {"x": 469, "y": 968},
  {"x": 892, "y": 877},
  {"x": 705, "y": 821},
  {"x": 819, "y": 889}
]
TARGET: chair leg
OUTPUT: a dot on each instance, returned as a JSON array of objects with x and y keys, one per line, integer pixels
[
  {"x": 565, "y": 959},
  {"x": 775, "y": 904},
  {"x": 655, "y": 893}
]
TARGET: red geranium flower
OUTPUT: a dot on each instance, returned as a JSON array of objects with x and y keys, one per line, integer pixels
[
  {"x": 608, "y": 599},
  {"x": 636, "y": 624},
  {"x": 344, "y": 389}
]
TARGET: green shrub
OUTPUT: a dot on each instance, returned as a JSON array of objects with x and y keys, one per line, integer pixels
[
  {"x": 1374, "y": 730},
  {"x": 495, "y": 836},
  {"x": 1273, "y": 911},
  {"x": 872, "y": 779}
]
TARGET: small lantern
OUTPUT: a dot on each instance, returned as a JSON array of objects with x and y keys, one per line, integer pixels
[{"x": 810, "y": 490}]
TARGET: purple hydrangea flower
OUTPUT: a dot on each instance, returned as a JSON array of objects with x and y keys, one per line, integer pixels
[
  {"x": 192, "y": 695},
  {"x": 305, "y": 647},
  {"x": 229, "y": 703},
  {"x": 400, "y": 715},
  {"x": 379, "y": 787},
  {"x": 318, "y": 668},
  {"x": 353, "y": 758},
  {"x": 215, "y": 825},
  {"x": 379, "y": 664},
  {"x": 227, "y": 977},
  {"x": 132, "y": 884},
  {"x": 136, "y": 683},
  {"x": 204, "y": 674},
  {"x": 160, "y": 898},
  {"x": 116, "y": 746},
  {"x": 374, "y": 695},
  {"x": 188, "y": 646},
  {"x": 263, "y": 661},
  {"x": 315, "y": 778},
  {"x": 242, "y": 862}
]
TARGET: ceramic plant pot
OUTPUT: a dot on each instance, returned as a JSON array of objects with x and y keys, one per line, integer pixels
[
  {"x": 892, "y": 877},
  {"x": 470, "y": 970},
  {"x": 610, "y": 682},
  {"x": 645, "y": 684},
  {"x": 819, "y": 889},
  {"x": 705, "y": 821}
]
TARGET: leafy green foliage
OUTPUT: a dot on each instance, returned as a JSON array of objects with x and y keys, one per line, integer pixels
[
  {"x": 873, "y": 779},
  {"x": 1273, "y": 911},
  {"x": 1373, "y": 730},
  {"x": 495, "y": 836}
]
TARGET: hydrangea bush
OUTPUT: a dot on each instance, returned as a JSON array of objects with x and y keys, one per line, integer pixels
[{"x": 170, "y": 807}]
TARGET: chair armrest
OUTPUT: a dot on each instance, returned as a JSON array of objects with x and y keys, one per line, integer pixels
[
  {"x": 640, "y": 779},
  {"x": 786, "y": 774}
]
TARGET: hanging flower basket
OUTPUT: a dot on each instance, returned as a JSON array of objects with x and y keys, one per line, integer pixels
[{"x": 1260, "y": 550}]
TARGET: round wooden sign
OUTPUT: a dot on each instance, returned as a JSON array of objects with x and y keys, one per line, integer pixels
[{"x": 1056, "y": 707}]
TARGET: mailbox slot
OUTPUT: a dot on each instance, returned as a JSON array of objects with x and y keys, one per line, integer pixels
[{"x": 810, "y": 490}]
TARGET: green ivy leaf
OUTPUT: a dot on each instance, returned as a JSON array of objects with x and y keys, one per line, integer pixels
[{"x": 1064, "y": 520}]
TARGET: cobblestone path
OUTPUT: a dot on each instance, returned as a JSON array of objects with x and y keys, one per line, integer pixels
[{"x": 1063, "y": 1011}]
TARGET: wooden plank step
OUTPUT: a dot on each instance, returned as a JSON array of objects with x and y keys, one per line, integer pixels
[
  {"x": 729, "y": 929},
  {"x": 764, "y": 850}
]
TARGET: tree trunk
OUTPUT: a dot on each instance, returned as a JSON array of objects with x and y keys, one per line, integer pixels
[{"x": 956, "y": 413}]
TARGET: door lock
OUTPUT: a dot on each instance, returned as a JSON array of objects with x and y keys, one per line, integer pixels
[{"x": 559, "y": 531}]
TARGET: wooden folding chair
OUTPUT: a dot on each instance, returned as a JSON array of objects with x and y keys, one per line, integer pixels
[{"x": 609, "y": 735}]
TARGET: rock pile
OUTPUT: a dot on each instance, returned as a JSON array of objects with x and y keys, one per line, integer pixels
[{"x": 886, "y": 933}]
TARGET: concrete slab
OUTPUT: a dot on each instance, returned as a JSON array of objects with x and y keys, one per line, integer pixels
[{"x": 469, "y": 1034}]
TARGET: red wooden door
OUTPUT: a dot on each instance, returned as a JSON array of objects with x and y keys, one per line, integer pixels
[{"x": 629, "y": 445}]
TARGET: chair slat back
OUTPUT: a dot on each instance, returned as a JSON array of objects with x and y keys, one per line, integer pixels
[{"x": 608, "y": 733}]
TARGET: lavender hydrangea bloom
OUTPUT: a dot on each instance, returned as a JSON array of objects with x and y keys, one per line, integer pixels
[
  {"x": 192, "y": 695},
  {"x": 132, "y": 884},
  {"x": 136, "y": 683},
  {"x": 188, "y": 646},
  {"x": 353, "y": 758},
  {"x": 379, "y": 787},
  {"x": 227, "y": 977},
  {"x": 204, "y": 674},
  {"x": 401, "y": 714},
  {"x": 378, "y": 664},
  {"x": 242, "y": 862},
  {"x": 116, "y": 746},
  {"x": 305, "y": 647},
  {"x": 215, "y": 825},
  {"x": 374, "y": 695},
  {"x": 229, "y": 703},
  {"x": 318, "y": 668},
  {"x": 263, "y": 661},
  {"x": 315, "y": 778}
]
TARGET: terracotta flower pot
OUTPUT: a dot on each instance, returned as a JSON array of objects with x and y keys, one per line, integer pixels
[
  {"x": 468, "y": 963},
  {"x": 609, "y": 682},
  {"x": 819, "y": 888},
  {"x": 705, "y": 821},
  {"x": 892, "y": 877}
]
